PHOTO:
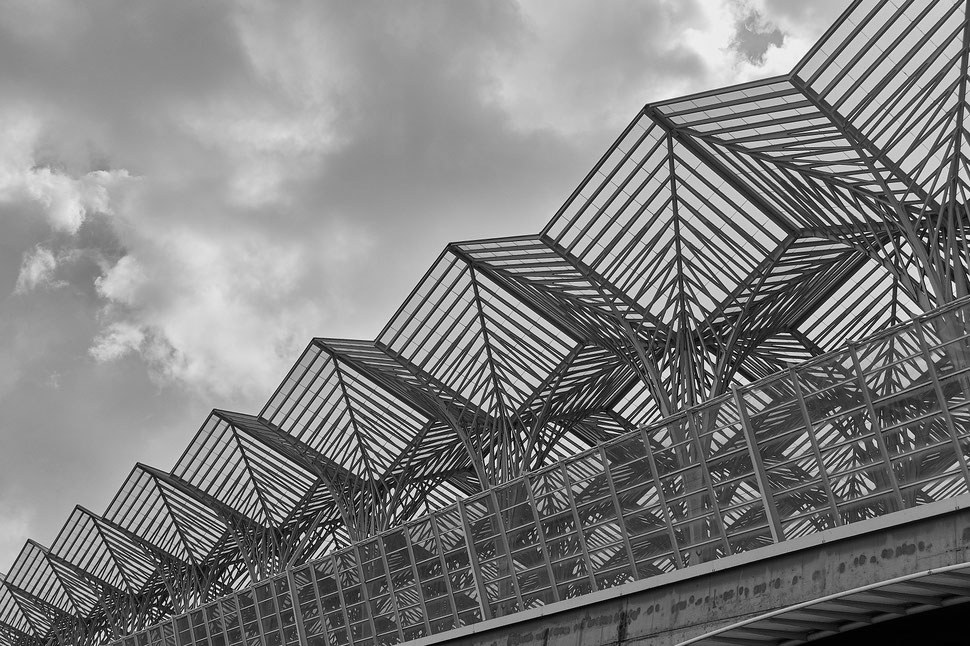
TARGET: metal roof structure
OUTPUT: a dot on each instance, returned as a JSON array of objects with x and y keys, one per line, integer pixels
[{"x": 723, "y": 239}]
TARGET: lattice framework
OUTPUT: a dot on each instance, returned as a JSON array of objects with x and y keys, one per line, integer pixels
[{"x": 724, "y": 237}]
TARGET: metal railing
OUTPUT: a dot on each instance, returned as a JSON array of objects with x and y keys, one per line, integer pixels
[{"x": 878, "y": 426}]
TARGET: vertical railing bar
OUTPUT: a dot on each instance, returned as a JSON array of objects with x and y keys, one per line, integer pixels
[
  {"x": 473, "y": 559},
  {"x": 174, "y": 635},
  {"x": 279, "y": 607},
  {"x": 810, "y": 429},
  {"x": 259, "y": 613},
  {"x": 877, "y": 430},
  {"x": 702, "y": 461},
  {"x": 580, "y": 532},
  {"x": 417, "y": 581},
  {"x": 62, "y": 641},
  {"x": 446, "y": 574},
  {"x": 619, "y": 512},
  {"x": 343, "y": 600},
  {"x": 202, "y": 610},
  {"x": 541, "y": 537},
  {"x": 188, "y": 618},
  {"x": 390, "y": 587},
  {"x": 297, "y": 610},
  {"x": 760, "y": 474},
  {"x": 225, "y": 624},
  {"x": 655, "y": 473},
  {"x": 504, "y": 540},
  {"x": 222, "y": 620},
  {"x": 314, "y": 581},
  {"x": 951, "y": 427},
  {"x": 363, "y": 590},
  {"x": 177, "y": 639},
  {"x": 236, "y": 612},
  {"x": 567, "y": 481}
]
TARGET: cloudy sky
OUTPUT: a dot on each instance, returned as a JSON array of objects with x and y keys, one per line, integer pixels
[{"x": 190, "y": 190}]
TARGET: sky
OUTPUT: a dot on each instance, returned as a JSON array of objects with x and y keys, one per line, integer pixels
[{"x": 190, "y": 191}]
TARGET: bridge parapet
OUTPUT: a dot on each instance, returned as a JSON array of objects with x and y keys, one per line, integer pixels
[{"x": 877, "y": 427}]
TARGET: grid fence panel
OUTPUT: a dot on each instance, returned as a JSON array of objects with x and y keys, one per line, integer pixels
[{"x": 876, "y": 427}]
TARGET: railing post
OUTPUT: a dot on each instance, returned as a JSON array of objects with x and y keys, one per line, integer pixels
[
  {"x": 445, "y": 574},
  {"x": 340, "y": 596},
  {"x": 813, "y": 441},
  {"x": 579, "y": 525},
  {"x": 678, "y": 557},
  {"x": 944, "y": 409},
  {"x": 390, "y": 587},
  {"x": 297, "y": 608},
  {"x": 363, "y": 590},
  {"x": 503, "y": 538},
  {"x": 760, "y": 474},
  {"x": 541, "y": 537},
  {"x": 619, "y": 512},
  {"x": 473, "y": 559},
  {"x": 876, "y": 425},
  {"x": 718, "y": 519},
  {"x": 343, "y": 600},
  {"x": 417, "y": 580}
]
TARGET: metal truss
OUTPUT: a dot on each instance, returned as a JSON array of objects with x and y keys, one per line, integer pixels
[
  {"x": 724, "y": 238},
  {"x": 875, "y": 427}
]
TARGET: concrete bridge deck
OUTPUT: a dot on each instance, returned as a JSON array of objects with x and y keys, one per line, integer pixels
[
  {"x": 847, "y": 471},
  {"x": 809, "y": 588}
]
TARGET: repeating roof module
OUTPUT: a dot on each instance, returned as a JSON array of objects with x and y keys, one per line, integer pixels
[{"x": 722, "y": 238}]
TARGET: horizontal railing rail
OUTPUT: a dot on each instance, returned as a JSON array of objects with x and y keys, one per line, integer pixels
[{"x": 877, "y": 426}]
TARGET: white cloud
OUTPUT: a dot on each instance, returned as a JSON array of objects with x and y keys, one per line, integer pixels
[
  {"x": 225, "y": 239},
  {"x": 64, "y": 198},
  {"x": 218, "y": 314},
  {"x": 295, "y": 167},
  {"x": 116, "y": 340},
  {"x": 122, "y": 282},
  {"x": 585, "y": 65},
  {"x": 37, "y": 270}
]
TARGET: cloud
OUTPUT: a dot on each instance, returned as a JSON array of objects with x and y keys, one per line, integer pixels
[
  {"x": 753, "y": 36},
  {"x": 222, "y": 314},
  {"x": 116, "y": 340},
  {"x": 37, "y": 270},
  {"x": 800, "y": 23},
  {"x": 68, "y": 200},
  {"x": 121, "y": 282},
  {"x": 588, "y": 65},
  {"x": 64, "y": 199},
  {"x": 307, "y": 184},
  {"x": 212, "y": 184},
  {"x": 312, "y": 141}
]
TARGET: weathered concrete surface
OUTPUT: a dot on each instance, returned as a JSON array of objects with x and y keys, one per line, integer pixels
[{"x": 671, "y": 608}]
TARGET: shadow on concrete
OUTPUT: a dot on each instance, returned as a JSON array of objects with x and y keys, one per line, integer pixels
[{"x": 945, "y": 626}]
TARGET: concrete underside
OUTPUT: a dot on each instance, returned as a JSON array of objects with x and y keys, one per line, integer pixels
[
  {"x": 943, "y": 627},
  {"x": 682, "y": 605}
]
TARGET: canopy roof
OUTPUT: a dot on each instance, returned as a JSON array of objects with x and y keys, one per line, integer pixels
[{"x": 723, "y": 237}]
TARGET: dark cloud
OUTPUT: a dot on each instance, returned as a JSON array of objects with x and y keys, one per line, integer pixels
[{"x": 753, "y": 36}]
